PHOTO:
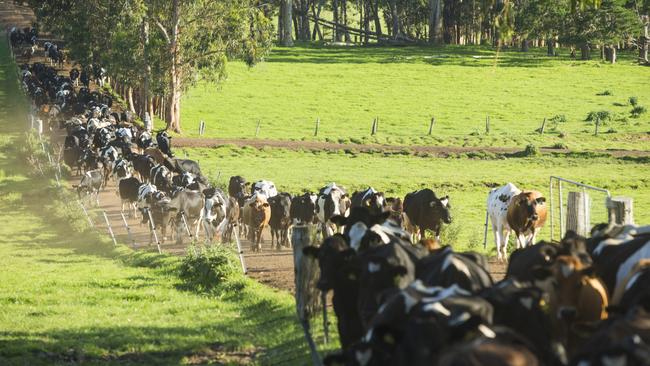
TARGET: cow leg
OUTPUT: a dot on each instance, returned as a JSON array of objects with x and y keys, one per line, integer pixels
[
  {"x": 497, "y": 240},
  {"x": 505, "y": 237}
]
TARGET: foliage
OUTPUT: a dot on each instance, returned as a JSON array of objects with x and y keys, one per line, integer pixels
[
  {"x": 531, "y": 150},
  {"x": 605, "y": 93},
  {"x": 601, "y": 116},
  {"x": 633, "y": 101},
  {"x": 205, "y": 268},
  {"x": 637, "y": 111}
]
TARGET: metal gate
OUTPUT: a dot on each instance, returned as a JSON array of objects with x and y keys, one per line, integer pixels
[{"x": 583, "y": 207}]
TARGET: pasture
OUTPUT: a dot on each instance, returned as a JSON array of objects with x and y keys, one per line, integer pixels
[
  {"x": 347, "y": 87},
  {"x": 467, "y": 180},
  {"x": 68, "y": 296}
]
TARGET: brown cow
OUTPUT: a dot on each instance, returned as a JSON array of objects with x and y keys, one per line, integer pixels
[
  {"x": 580, "y": 298},
  {"x": 526, "y": 216},
  {"x": 256, "y": 215},
  {"x": 158, "y": 155}
]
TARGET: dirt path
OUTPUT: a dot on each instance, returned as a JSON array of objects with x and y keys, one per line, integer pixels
[{"x": 439, "y": 151}]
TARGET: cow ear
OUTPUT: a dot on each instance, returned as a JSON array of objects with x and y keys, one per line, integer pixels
[
  {"x": 311, "y": 251},
  {"x": 339, "y": 220},
  {"x": 541, "y": 200}
]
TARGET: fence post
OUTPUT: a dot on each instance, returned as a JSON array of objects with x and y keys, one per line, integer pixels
[
  {"x": 317, "y": 125},
  {"x": 128, "y": 229},
  {"x": 541, "y": 129},
  {"x": 620, "y": 210},
  {"x": 201, "y": 127},
  {"x": 373, "y": 129},
  {"x": 485, "y": 234},
  {"x": 487, "y": 125},
  {"x": 578, "y": 213},
  {"x": 307, "y": 294},
  {"x": 257, "y": 130},
  {"x": 433, "y": 122},
  {"x": 110, "y": 230}
]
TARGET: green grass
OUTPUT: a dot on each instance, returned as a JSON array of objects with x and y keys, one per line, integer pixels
[
  {"x": 347, "y": 87},
  {"x": 467, "y": 181},
  {"x": 68, "y": 297}
]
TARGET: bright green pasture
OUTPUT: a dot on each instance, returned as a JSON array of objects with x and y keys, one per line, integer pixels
[
  {"x": 71, "y": 298},
  {"x": 466, "y": 181},
  {"x": 347, "y": 87}
]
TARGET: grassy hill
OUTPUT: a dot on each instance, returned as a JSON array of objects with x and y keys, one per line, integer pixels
[
  {"x": 69, "y": 297},
  {"x": 347, "y": 87}
]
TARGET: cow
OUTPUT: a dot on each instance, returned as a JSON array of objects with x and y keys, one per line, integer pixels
[
  {"x": 339, "y": 273},
  {"x": 237, "y": 189},
  {"x": 144, "y": 140},
  {"x": 158, "y": 155},
  {"x": 444, "y": 268},
  {"x": 89, "y": 160},
  {"x": 214, "y": 213},
  {"x": 160, "y": 214},
  {"x": 616, "y": 251},
  {"x": 188, "y": 207},
  {"x": 370, "y": 198},
  {"x": 424, "y": 211},
  {"x": 143, "y": 164},
  {"x": 183, "y": 180},
  {"x": 164, "y": 143},
  {"x": 634, "y": 289},
  {"x": 394, "y": 205},
  {"x": 121, "y": 169},
  {"x": 331, "y": 202},
  {"x": 526, "y": 216},
  {"x": 491, "y": 349},
  {"x": 145, "y": 191},
  {"x": 264, "y": 188},
  {"x": 91, "y": 182},
  {"x": 108, "y": 156},
  {"x": 161, "y": 177},
  {"x": 72, "y": 157},
  {"x": 128, "y": 191},
  {"x": 280, "y": 219},
  {"x": 303, "y": 209},
  {"x": 499, "y": 199},
  {"x": 232, "y": 218},
  {"x": 181, "y": 166},
  {"x": 579, "y": 298},
  {"x": 256, "y": 215}
]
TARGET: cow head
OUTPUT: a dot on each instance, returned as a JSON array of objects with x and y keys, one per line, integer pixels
[
  {"x": 579, "y": 295},
  {"x": 336, "y": 262},
  {"x": 356, "y": 226},
  {"x": 303, "y": 209},
  {"x": 530, "y": 204},
  {"x": 441, "y": 208},
  {"x": 237, "y": 188}
]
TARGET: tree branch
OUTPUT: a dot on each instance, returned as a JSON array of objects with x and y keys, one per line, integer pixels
[{"x": 163, "y": 30}]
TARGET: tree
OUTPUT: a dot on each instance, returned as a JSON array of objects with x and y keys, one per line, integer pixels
[{"x": 285, "y": 36}]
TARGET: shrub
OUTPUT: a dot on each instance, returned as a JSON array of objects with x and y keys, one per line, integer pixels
[
  {"x": 531, "y": 150},
  {"x": 605, "y": 92},
  {"x": 560, "y": 145},
  {"x": 602, "y": 116},
  {"x": 205, "y": 268},
  {"x": 637, "y": 111},
  {"x": 449, "y": 233},
  {"x": 563, "y": 134},
  {"x": 633, "y": 101}
]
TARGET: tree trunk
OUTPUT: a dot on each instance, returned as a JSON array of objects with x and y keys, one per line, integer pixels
[
  {"x": 435, "y": 22},
  {"x": 304, "y": 16},
  {"x": 344, "y": 15},
  {"x": 524, "y": 45},
  {"x": 130, "y": 100},
  {"x": 317, "y": 30},
  {"x": 287, "y": 10},
  {"x": 585, "y": 51},
  {"x": 335, "y": 11},
  {"x": 147, "y": 70},
  {"x": 173, "y": 118},
  {"x": 550, "y": 44},
  {"x": 375, "y": 12},
  {"x": 643, "y": 43},
  {"x": 394, "y": 19},
  {"x": 610, "y": 54}
]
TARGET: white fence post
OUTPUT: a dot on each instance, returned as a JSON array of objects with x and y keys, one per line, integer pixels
[
  {"x": 110, "y": 229},
  {"x": 153, "y": 230},
  {"x": 128, "y": 229}
]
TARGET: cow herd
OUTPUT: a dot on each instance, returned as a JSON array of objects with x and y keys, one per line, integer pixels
[{"x": 399, "y": 298}]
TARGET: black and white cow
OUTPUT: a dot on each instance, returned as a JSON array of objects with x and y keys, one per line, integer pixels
[
  {"x": 122, "y": 169},
  {"x": 161, "y": 177},
  {"x": 188, "y": 207},
  {"x": 444, "y": 268},
  {"x": 128, "y": 190},
  {"x": 91, "y": 183},
  {"x": 332, "y": 201},
  {"x": 303, "y": 209},
  {"x": 370, "y": 198},
  {"x": 164, "y": 143},
  {"x": 214, "y": 213},
  {"x": 237, "y": 189},
  {"x": 143, "y": 164}
]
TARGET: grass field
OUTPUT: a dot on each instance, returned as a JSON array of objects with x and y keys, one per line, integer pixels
[
  {"x": 69, "y": 297},
  {"x": 466, "y": 180},
  {"x": 347, "y": 87}
]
